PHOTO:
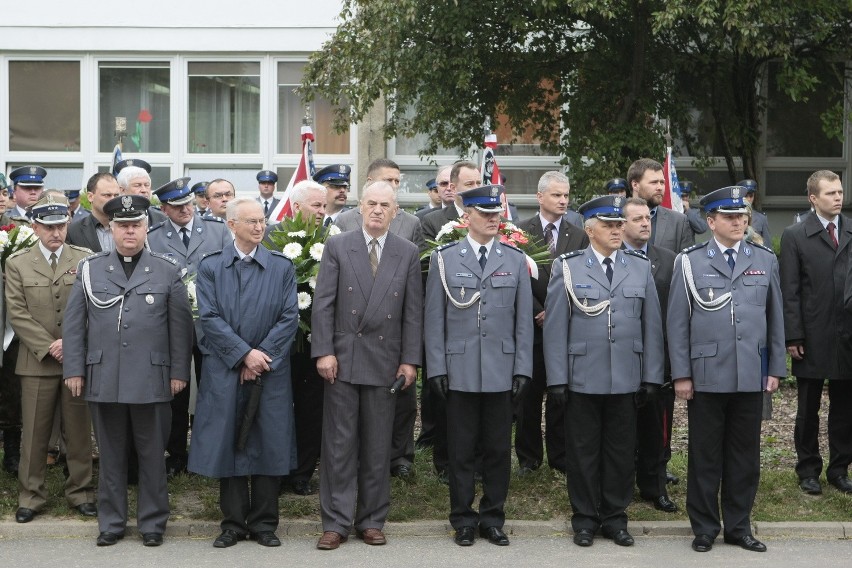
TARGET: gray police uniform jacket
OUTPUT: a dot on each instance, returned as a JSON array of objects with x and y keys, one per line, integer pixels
[
  {"x": 733, "y": 348},
  {"x": 131, "y": 360},
  {"x": 612, "y": 352},
  {"x": 480, "y": 348},
  {"x": 209, "y": 234}
]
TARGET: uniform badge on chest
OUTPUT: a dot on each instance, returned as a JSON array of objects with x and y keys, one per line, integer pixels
[{"x": 149, "y": 299}]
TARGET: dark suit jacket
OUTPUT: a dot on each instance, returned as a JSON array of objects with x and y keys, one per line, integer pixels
[
  {"x": 372, "y": 325},
  {"x": 434, "y": 220},
  {"x": 570, "y": 238},
  {"x": 662, "y": 266},
  {"x": 82, "y": 233},
  {"x": 815, "y": 286},
  {"x": 672, "y": 231},
  {"x": 423, "y": 211}
]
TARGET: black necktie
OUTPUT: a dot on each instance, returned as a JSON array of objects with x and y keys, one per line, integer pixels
[
  {"x": 327, "y": 222},
  {"x": 548, "y": 238},
  {"x": 184, "y": 233},
  {"x": 731, "y": 261},
  {"x": 608, "y": 263},
  {"x": 482, "y": 258},
  {"x": 265, "y": 208}
]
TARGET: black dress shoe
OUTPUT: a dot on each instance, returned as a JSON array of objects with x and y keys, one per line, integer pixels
[
  {"x": 302, "y": 487},
  {"x": 525, "y": 470},
  {"x": 494, "y": 536},
  {"x": 841, "y": 483},
  {"x": 620, "y": 537},
  {"x": 811, "y": 486},
  {"x": 464, "y": 536},
  {"x": 266, "y": 538},
  {"x": 702, "y": 543},
  {"x": 664, "y": 504},
  {"x": 24, "y": 515},
  {"x": 748, "y": 542},
  {"x": 152, "y": 539},
  {"x": 671, "y": 478},
  {"x": 228, "y": 538},
  {"x": 108, "y": 538},
  {"x": 584, "y": 537},
  {"x": 401, "y": 470},
  {"x": 87, "y": 509}
]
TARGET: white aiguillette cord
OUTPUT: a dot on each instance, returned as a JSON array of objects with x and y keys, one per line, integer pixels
[
  {"x": 101, "y": 304},
  {"x": 706, "y": 305}
]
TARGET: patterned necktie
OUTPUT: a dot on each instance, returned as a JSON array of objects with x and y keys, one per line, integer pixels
[
  {"x": 184, "y": 234},
  {"x": 731, "y": 261},
  {"x": 832, "y": 234},
  {"x": 608, "y": 263},
  {"x": 53, "y": 261},
  {"x": 548, "y": 238},
  {"x": 374, "y": 256},
  {"x": 482, "y": 258}
]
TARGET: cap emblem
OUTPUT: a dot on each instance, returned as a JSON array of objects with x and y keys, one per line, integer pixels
[{"x": 126, "y": 202}]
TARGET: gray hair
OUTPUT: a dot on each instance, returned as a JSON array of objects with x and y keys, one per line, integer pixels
[
  {"x": 231, "y": 207},
  {"x": 299, "y": 193},
  {"x": 129, "y": 173},
  {"x": 375, "y": 185},
  {"x": 590, "y": 222},
  {"x": 551, "y": 177}
]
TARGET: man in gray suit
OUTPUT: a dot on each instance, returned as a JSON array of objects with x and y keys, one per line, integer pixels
[
  {"x": 726, "y": 345},
  {"x": 552, "y": 227},
  {"x": 479, "y": 352},
  {"x": 366, "y": 332},
  {"x": 129, "y": 357},
  {"x": 669, "y": 229},
  {"x": 603, "y": 343},
  {"x": 185, "y": 237}
]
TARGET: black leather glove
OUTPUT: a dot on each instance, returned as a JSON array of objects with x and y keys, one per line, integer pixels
[
  {"x": 519, "y": 386},
  {"x": 558, "y": 394},
  {"x": 441, "y": 386},
  {"x": 646, "y": 392}
]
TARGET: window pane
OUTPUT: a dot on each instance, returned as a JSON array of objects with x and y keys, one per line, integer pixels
[
  {"x": 139, "y": 92},
  {"x": 711, "y": 180},
  {"x": 49, "y": 90},
  {"x": 224, "y": 108},
  {"x": 291, "y": 110},
  {"x": 795, "y": 128},
  {"x": 62, "y": 177},
  {"x": 244, "y": 180},
  {"x": 789, "y": 183}
]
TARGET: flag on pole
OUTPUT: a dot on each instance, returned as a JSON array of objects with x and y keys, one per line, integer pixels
[
  {"x": 116, "y": 156},
  {"x": 671, "y": 195},
  {"x": 491, "y": 172},
  {"x": 304, "y": 170}
]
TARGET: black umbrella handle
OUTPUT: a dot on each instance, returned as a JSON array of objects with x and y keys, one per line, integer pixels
[{"x": 397, "y": 384}]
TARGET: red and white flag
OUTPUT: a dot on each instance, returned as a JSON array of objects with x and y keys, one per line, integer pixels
[
  {"x": 671, "y": 196},
  {"x": 304, "y": 170},
  {"x": 491, "y": 172}
]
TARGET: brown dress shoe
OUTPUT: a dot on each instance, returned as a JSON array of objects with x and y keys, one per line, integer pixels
[
  {"x": 330, "y": 540},
  {"x": 373, "y": 537}
]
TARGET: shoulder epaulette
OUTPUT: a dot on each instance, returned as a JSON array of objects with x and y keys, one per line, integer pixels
[
  {"x": 18, "y": 252},
  {"x": 158, "y": 225},
  {"x": 97, "y": 254},
  {"x": 448, "y": 245},
  {"x": 764, "y": 247},
  {"x": 88, "y": 251},
  {"x": 511, "y": 247},
  {"x": 277, "y": 253},
  {"x": 637, "y": 254},
  {"x": 211, "y": 253},
  {"x": 695, "y": 247},
  {"x": 572, "y": 253},
  {"x": 213, "y": 219},
  {"x": 164, "y": 257}
]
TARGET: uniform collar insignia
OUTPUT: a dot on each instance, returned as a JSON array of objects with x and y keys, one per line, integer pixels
[{"x": 711, "y": 252}]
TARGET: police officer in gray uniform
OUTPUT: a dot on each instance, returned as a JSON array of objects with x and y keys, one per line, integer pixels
[
  {"x": 186, "y": 237},
  {"x": 479, "y": 347},
  {"x": 603, "y": 342},
  {"x": 726, "y": 345},
  {"x": 130, "y": 354}
]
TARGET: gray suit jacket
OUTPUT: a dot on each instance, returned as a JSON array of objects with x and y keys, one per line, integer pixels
[
  {"x": 586, "y": 352},
  {"x": 480, "y": 348},
  {"x": 721, "y": 350},
  {"x": 131, "y": 361},
  {"x": 404, "y": 225},
  {"x": 672, "y": 231},
  {"x": 372, "y": 325}
]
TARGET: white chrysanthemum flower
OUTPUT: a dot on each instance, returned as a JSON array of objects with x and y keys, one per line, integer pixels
[
  {"x": 445, "y": 230},
  {"x": 309, "y": 338},
  {"x": 190, "y": 291},
  {"x": 333, "y": 230},
  {"x": 4, "y": 239},
  {"x": 299, "y": 234},
  {"x": 304, "y": 300},
  {"x": 292, "y": 250},
  {"x": 312, "y": 282},
  {"x": 25, "y": 233},
  {"x": 316, "y": 251},
  {"x": 511, "y": 227}
]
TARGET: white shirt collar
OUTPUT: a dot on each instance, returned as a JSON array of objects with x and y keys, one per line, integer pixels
[
  {"x": 475, "y": 246},
  {"x": 601, "y": 257},
  {"x": 825, "y": 222},
  {"x": 545, "y": 223},
  {"x": 47, "y": 253},
  {"x": 188, "y": 226},
  {"x": 736, "y": 246},
  {"x": 242, "y": 254}
]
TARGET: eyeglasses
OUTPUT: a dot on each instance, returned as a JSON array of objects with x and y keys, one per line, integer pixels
[
  {"x": 252, "y": 222},
  {"x": 220, "y": 195}
]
